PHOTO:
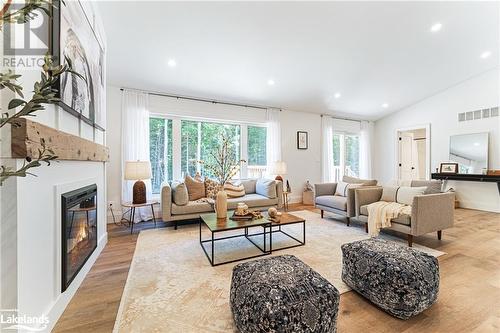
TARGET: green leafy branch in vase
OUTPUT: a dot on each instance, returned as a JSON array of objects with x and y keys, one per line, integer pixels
[
  {"x": 223, "y": 162},
  {"x": 43, "y": 93},
  {"x": 29, "y": 11},
  {"x": 44, "y": 155}
]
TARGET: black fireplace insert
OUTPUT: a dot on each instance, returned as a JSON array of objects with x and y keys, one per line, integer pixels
[{"x": 79, "y": 230}]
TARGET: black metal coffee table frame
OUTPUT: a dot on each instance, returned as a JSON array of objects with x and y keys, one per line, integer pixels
[
  {"x": 267, "y": 231},
  {"x": 277, "y": 225},
  {"x": 211, "y": 258}
]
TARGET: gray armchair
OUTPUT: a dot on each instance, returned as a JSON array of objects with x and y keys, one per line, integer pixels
[
  {"x": 325, "y": 198},
  {"x": 429, "y": 212}
]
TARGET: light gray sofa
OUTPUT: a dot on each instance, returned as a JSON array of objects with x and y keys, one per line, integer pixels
[
  {"x": 429, "y": 212},
  {"x": 255, "y": 198},
  {"x": 325, "y": 198}
]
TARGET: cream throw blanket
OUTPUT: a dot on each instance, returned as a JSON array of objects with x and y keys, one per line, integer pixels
[{"x": 380, "y": 214}]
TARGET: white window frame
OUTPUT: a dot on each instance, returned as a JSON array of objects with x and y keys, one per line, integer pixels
[
  {"x": 177, "y": 139},
  {"x": 342, "y": 160}
]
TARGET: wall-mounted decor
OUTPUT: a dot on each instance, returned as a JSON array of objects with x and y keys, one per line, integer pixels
[
  {"x": 302, "y": 140},
  {"x": 451, "y": 168},
  {"x": 74, "y": 38}
]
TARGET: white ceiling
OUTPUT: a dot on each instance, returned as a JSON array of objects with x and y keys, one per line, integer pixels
[{"x": 371, "y": 52}]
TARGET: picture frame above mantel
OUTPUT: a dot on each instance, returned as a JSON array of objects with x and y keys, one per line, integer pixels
[{"x": 73, "y": 37}]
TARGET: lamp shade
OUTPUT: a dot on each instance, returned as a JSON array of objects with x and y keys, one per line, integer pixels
[
  {"x": 136, "y": 170},
  {"x": 279, "y": 168}
]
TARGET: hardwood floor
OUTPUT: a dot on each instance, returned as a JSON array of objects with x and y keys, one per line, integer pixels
[{"x": 468, "y": 301}]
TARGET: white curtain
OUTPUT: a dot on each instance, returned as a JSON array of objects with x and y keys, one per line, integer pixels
[
  {"x": 327, "y": 149},
  {"x": 135, "y": 143},
  {"x": 365, "y": 150},
  {"x": 273, "y": 139}
]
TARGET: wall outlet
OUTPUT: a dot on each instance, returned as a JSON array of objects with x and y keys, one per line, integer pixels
[{"x": 111, "y": 204}]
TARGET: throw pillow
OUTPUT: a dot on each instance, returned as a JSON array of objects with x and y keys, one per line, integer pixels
[
  {"x": 196, "y": 189},
  {"x": 180, "y": 195},
  {"x": 234, "y": 189},
  {"x": 341, "y": 189},
  {"x": 405, "y": 194},
  {"x": 389, "y": 193},
  {"x": 266, "y": 187},
  {"x": 211, "y": 188}
]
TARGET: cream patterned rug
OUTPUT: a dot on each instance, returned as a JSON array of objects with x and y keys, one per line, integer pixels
[{"x": 171, "y": 286}]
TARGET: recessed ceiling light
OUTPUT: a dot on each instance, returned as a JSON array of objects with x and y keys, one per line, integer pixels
[
  {"x": 270, "y": 82},
  {"x": 171, "y": 63},
  {"x": 436, "y": 27},
  {"x": 385, "y": 105},
  {"x": 485, "y": 54},
  {"x": 476, "y": 144},
  {"x": 337, "y": 95}
]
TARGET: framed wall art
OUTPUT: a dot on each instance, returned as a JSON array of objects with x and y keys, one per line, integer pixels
[
  {"x": 451, "y": 168},
  {"x": 73, "y": 37},
  {"x": 302, "y": 140}
]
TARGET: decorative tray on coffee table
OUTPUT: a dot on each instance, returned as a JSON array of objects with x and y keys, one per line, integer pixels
[{"x": 247, "y": 217}]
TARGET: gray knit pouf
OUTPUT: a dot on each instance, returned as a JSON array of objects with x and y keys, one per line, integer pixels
[
  {"x": 282, "y": 294},
  {"x": 400, "y": 280}
]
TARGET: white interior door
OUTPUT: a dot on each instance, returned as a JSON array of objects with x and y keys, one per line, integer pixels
[{"x": 406, "y": 156}]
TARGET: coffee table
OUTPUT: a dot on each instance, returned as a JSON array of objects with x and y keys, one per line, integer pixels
[{"x": 216, "y": 226}]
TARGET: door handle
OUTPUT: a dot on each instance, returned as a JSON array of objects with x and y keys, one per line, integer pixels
[{"x": 413, "y": 168}]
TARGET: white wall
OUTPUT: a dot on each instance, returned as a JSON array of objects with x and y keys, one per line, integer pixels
[
  {"x": 31, "y": 242},
  {"x": 303, "y": 165},
  {"x": 441, "y": 112}
]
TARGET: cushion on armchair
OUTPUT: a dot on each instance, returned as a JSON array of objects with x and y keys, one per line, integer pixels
[
  {"x": 196, "y": 189},
  {"x": 333, "y": 201}
]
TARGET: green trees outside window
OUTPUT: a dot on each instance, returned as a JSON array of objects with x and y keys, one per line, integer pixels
[
  {"x": 160, "y": 151},
  {"x": 345, "y": 155}
]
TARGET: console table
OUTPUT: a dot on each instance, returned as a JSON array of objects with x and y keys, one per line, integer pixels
[{"x": 468, "y": 178}]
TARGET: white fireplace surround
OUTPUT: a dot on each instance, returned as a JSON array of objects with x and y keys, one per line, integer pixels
[{"x": 62, "y": 299}]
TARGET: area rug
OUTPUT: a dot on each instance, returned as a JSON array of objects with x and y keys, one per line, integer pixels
[{"x": 171, "y": 286}]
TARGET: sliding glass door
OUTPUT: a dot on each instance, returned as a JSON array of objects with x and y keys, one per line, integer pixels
[{"x": 345, "y": 155}]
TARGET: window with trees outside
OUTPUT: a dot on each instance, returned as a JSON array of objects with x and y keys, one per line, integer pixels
[
  {"x": 176, "y": 146},
  {"x": 160, "y": 151},
  {"x": 345, "y": 155},
  {"x": 257, "y": 162},
  {"x": 200, "y": 139}
]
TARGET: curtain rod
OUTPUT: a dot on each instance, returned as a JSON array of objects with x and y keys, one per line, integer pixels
[
  {"x": 199, "y": 99},
  {"x": 341, "y": 118}
]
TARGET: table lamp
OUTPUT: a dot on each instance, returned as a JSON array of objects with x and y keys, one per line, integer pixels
[
  {"x": 279, "y": 169},
  {"x": 138, "y": 170}
]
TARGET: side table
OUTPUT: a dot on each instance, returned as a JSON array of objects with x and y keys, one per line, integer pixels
[
  {"x": 285, "y": 200},
  {"x": 133, "y": 206}
]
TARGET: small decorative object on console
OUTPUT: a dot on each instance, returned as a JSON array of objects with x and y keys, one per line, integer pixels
[
  {"x": 241, "y": 209},
  {"x": 451, "y": 168}
]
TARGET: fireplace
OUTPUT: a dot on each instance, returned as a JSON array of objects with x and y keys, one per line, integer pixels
[{"x": 79, "y": 230}]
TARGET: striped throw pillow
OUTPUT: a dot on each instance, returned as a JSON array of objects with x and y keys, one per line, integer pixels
[{"x": 234, "y": 190}]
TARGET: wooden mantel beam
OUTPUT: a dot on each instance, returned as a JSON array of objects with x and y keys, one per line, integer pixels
[{"x": 26, "y": 142}]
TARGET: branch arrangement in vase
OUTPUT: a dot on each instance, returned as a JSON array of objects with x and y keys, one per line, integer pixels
[{"x": 223, "y": 162}]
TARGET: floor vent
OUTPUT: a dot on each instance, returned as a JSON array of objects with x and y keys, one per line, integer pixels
[{"x": 478, "y": 114}]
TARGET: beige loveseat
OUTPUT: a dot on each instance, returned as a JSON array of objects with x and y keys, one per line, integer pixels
[
  {"x": 429, "y": 212},
  {"x": 255, "y": 198}
]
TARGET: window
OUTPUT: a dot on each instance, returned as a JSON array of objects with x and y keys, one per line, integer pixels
[
  {"x": 200, "y": 140},
  {"x": 345, "y": 155},
  {"x": 160, "y": 151},
  {"x": 176, "y": 146},
  {"x": 256, "y": 146}
]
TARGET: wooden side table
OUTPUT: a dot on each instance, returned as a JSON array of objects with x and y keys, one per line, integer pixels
[
  {"x": 133, "y": 206},
  {"x": 285, "y": 200}
]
